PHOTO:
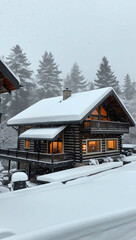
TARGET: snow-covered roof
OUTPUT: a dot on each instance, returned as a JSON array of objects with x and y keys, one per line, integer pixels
[
  {"x": 133, "y": 146},
  {"x": 15, "y": 76},
  {"x": 42, "y": 133},
  {"x": 55, "y": 109},
  {"x": 94, "y": 207},
  {"x": 78, "y": 172},
  {"x": 10, "y": 80}
]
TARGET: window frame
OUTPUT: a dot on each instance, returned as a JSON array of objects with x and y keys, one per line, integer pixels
[
  {"x": 110, "y": 139},
  {"x": 62, "y": 140},
  {"x": 96, "y": 139}
]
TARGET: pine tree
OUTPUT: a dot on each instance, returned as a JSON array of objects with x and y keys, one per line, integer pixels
[
  {"x": 105, "y": 77},
  {"x": 91, "y": 86},
  {"x": 50, "y": 83},
  {"x": 22, "y": 98},
  {"x": 75, "y": 81},
  {"x": 129, "y": 87},
  {"x": 66, "y": 82}
]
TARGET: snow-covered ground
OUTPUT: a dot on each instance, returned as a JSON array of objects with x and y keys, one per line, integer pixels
[{"x": 99, "y": 207}]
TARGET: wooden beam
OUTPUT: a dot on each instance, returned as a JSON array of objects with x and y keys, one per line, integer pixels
[
  {"x": 29, "y": 171},
  {"x": 9, "y": 165}
]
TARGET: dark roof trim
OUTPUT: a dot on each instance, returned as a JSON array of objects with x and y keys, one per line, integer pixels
[{"x": 8, "y": 73}]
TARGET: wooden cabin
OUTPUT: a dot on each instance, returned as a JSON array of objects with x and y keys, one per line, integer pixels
[{"x": 55, "y": 133}]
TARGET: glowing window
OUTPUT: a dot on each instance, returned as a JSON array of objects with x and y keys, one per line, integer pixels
[
  {"x": 93, "y": 146},
  {"x": 56, "y": 146},
  {"x": 95, "y": 112},
  {"x": 87, "y": 124},
  {"x": 111, "y": 145},
  {"x": 27, "y": 144},
  {"x": 103, "y": 112}
]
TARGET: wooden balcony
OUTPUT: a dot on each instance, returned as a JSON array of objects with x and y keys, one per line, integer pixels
[
  {"x": 44, "y": 159},
  {"x": 97, "y": 126}
]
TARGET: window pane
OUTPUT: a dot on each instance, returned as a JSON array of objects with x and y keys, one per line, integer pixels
[
  {"x": 27, "y": 144},
  {"x": 111, "y": 145},
  {"x": 87, "y": 124},
  {"x": 103, "y": 112},
  {"x": 57, "y": 147},
  {"x": 93, "y": 146},
  {"x": 95, "y": 112}
]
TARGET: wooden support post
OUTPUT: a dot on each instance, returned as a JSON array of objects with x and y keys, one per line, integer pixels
[
  {"x": 1, "y": 83},
  {"x": 18, "y": 165},
  {"x": 16, "y": 153},
  {"x": 9, "y": 164},
  {"x": 29, "y": 171},
  {"x": 52, "y": 160},
  {"x": 99, "y": 113},
  {"x": 26, "y": 154},
  {"x": 18, "y": 133},
  {"x": 74, "y": 144}
]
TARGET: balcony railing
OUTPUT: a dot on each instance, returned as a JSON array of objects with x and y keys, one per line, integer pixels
[
  {"x": 37, "y": 156},
  {"x": 97, "y": 125}
]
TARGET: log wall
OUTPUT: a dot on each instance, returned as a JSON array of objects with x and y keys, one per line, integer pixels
[{"x": 73, "y": 141}]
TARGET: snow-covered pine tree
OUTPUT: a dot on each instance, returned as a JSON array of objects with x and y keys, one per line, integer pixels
[
  {"x": 75, "y": 81},
  {"x": 105, "y": 77},
  {"x": 50, "y": 83},
  {"x": 66, "y": 82},
  {"x": 24, "y": 97},
  {"x": 129, "y": 87},
  {"x": 91, "y": 86}
]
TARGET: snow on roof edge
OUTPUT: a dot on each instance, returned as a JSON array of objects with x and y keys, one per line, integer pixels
[
  {"x": 68, "y": 117},
  {"x": 42, "y": 133},
  {"x": 15, "y": 76}
]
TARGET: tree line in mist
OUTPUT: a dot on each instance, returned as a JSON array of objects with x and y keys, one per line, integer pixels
[{"x": 47, "y": 82}]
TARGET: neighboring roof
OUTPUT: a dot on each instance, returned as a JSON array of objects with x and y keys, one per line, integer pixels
[
  {"x": 102, "y": 206},
  {"x": 73, "y": 109},
  {"x": 78, "y": 172},
  {"x": 10, "y": 81},
  {"x": 42, "y": 133}
]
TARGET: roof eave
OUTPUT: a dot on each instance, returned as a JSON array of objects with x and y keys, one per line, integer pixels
[{"x": 9, "y": 75}]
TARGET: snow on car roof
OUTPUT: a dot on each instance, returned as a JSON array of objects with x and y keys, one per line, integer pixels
[
  {"x": 58, "y": 110},
  {"x": 19, "y": 176}
]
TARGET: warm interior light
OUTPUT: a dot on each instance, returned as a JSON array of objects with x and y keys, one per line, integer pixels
[
  {"x": 56, "y": 147},
  {"x": 27, "y": 144},
  {"x": 84, "y": 147},
  {"x": 111, "y": 144}
]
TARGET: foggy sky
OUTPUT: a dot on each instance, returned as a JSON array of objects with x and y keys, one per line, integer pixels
[{"x": 73, "y": 30}]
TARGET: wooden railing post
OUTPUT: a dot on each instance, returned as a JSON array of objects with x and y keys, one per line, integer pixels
[
  {"x": 38, "y": 156},
  {"x": 26, "y": 154},
  {"x": 52, "y": 161},
  {"x": 90, "y": 125}
]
